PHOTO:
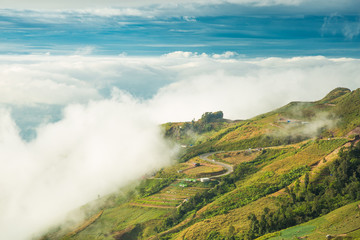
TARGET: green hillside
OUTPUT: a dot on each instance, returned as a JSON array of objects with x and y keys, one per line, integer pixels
[
  {"x": 342, "y": 223},
  {"x": 291, "y": 172},
  {"x": 333, "y": 116}
]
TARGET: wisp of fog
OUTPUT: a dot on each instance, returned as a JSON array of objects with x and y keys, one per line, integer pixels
[{"x": 93, "y": 150}]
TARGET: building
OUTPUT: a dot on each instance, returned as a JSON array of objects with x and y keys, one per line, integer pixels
[{"x": 204, "y": 179}]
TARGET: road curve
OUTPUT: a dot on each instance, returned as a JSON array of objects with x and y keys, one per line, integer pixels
[{"x": 229, "y": 168}]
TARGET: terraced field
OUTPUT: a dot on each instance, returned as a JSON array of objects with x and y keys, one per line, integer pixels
[
  {"x": 236, "y": 157},
  {"x": 187, "y": 169},
  {"x": 172, "y": 196}
]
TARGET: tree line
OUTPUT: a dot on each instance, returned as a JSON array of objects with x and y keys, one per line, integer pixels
[{"x": 337, "y": 185}]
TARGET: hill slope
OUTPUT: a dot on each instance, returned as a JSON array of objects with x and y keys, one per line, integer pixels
[
  {"x": 341, "y": 223},
  {"x": 291, "y": 165}
]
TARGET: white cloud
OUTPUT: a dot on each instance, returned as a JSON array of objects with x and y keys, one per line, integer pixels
[
  {"x": 207, "y": 82},
  {"x": 38, "y": 83},
  {"x": 351, "y": 29},
  {"x": 68, "y": 4},
  {"x": 267, "y": 2},
  {"x": 95, "y": 149},
  {"x": 63, "y": 80},
  {"x": 111, "y": 12},
  {"x": 227, "y": 54},
  {"x": 181, "y": 54},
  {"x": 337, "y": 24},
  {"x": 244, "y": 88},
  {"x": 109, "y": 8},
  {"x": 87, "y": 50},
  {"x": 189, "y": 19}
]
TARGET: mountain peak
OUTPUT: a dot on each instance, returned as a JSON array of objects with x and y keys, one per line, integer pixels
[{"x": 335, "y": 94}]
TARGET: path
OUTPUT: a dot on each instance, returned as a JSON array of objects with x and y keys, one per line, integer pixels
[{"x": 229, "y": 168}]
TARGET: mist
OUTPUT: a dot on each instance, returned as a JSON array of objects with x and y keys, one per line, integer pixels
[
  {"x": 95, "y": 149},
  {"x": 107, "y": 133}
]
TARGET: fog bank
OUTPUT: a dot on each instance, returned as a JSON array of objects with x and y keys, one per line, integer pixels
[{"x": 93, "y": 150}]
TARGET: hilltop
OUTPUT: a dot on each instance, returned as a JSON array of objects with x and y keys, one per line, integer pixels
[{"x": 291, "y": 172}]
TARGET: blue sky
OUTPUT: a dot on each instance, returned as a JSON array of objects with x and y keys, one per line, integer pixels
[{"x": 250, "y": 28}]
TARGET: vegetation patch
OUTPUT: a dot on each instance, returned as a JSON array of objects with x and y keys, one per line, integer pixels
[
  {"x": 338, "y": 186},
  {"x": 174, "y": 195},
  {"x": 237, "y": 157},
  {"x": 294, "y": 232},
  {"x": 85, "y": 224}
]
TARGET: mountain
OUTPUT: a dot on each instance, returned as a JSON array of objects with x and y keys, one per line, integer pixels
[{"x": 292, "y": 172}]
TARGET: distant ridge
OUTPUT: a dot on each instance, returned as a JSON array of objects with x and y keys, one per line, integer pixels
[{"x": 332, "y": 96}]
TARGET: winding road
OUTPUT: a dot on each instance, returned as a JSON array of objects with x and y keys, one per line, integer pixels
[{"x": 229, "y": 168}]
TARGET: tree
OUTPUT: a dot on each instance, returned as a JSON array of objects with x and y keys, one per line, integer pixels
[
  {"x": 306, "y": 181},
  {"x": 211, "y": 117},
  {"x": 297, "y": 185}
]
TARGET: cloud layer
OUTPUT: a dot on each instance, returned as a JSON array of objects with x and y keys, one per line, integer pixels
[
  {"x": 67, "y": 4},
  {"x": 98, "y": 3},
  {"x": 93, "y": 150},
  {"x": 169, "y": 84}
]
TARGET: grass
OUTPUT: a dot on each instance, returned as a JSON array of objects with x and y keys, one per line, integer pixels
[
  {"x": 333, "y": 96},
  {"x": 246, "y": 131},
  {"x": 187, "y": 169},
  {"x": 159, "y": 204},
  {"x": 310, "y": 154},
  {"x": 257, "y": 132},
  {"x": 349, "y": 112},
  {"x": 271, "y": 164},
  {"x": 84, "y": 225},
  {"x": 274, "y": 163},
  {"x": 117, "y": 219},
  {"x": 254, "y": 186},
  {"x": 249, "y": 196},
  {"x": 298, "y": 231},
  {"x": 236, "y": 217},
  {"x": 205, "y": 169},
  {"x": 171, "y": 196},
  {"x": 236, "y": 157},
  {"x": 340, "y": 222}
]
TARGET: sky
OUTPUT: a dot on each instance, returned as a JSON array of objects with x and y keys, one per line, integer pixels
[
  {"x": 85, "y": 85},
  {"x": 251, "y": 28}
]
